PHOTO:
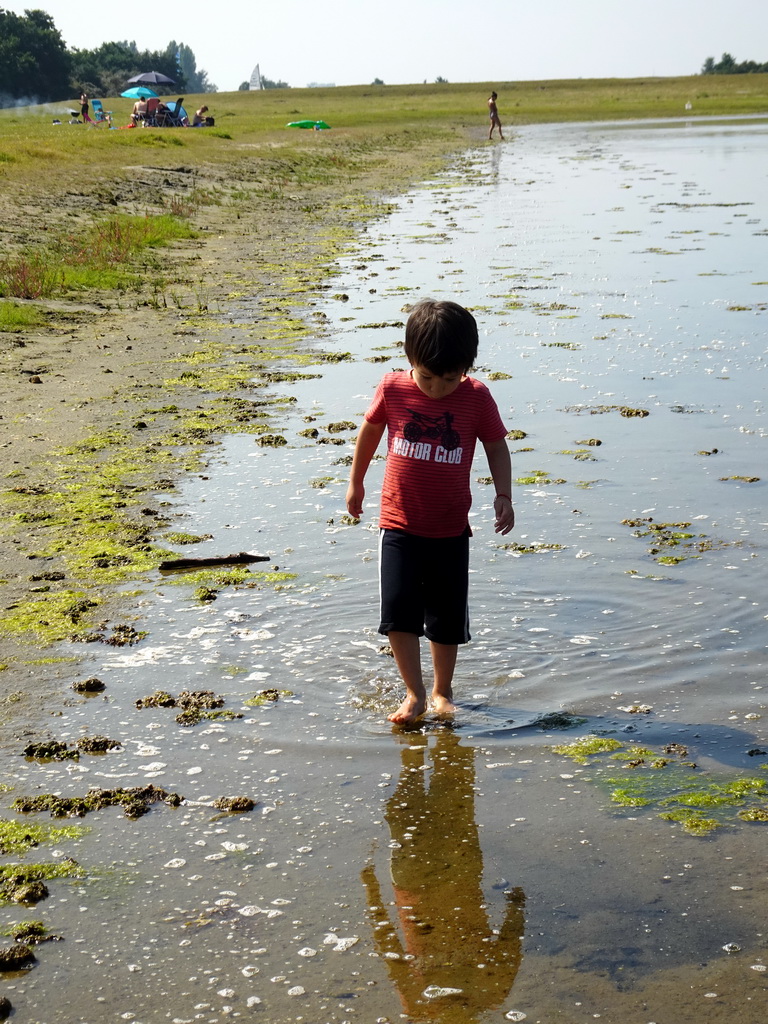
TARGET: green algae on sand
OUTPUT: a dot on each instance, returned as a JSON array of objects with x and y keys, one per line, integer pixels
[
  {"x": 666, "y": 782},
  {"x": 267, "y": 697},
  {"x": 18, "y": 837},
  {"x": 25, "y": 883}
]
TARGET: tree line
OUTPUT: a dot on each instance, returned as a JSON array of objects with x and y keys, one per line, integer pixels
[
  {"x": 36, "y": 66},
  {"x": 727, "y": 66}
]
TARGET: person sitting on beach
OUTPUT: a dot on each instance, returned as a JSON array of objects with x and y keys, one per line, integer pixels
[
  {"x": 200, "y": 117},
  {"x": 139, "y": 110}
]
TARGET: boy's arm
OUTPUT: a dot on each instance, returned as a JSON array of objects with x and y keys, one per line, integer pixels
[
  {"x": 500, "y": 466},
  {"x": 365, "y": 448}
]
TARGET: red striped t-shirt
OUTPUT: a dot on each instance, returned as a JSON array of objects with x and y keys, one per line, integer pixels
[{"x": 430, "y": 447}]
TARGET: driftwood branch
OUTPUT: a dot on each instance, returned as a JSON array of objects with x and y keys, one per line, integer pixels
[{"x": 241, "y": 558}]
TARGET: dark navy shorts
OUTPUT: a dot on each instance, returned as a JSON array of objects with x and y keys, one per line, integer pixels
[{"x": 424, "y": 585}]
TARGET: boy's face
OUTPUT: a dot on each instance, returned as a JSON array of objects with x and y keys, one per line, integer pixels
[{"x": 434, "y": 385}]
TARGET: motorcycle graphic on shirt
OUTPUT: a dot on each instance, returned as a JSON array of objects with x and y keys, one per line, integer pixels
[{"x": 434, "y": 427}]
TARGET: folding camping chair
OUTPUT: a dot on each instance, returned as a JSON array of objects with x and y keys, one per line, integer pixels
[
  {"x": 151, "y": 117},
  {"x": 173, "y": 115},
  {"x": 99, "y": 114}
]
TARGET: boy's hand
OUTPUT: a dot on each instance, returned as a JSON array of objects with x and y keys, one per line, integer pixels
[
  {"x": 505, "y": 514},
  {"x": 355, "y": 495}
]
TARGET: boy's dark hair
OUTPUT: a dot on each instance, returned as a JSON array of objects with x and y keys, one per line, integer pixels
[{"x": 441, "y": 337}]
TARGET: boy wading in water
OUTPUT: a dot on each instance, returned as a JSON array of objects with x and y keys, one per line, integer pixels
[{"x": 433, "y": 415}]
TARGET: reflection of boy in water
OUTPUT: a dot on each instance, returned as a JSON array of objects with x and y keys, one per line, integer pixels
[
  {"x": 433, "y": 416},
  {"x": 437, "y": 878}
]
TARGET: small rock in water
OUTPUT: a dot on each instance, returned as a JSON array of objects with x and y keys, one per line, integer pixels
[
  {"x": 250, "y": 911},
  {"x": 16, "y": 957},
  {"x": 340, "y": 944},
  {"x": 235, "y": 804},
  {"x": 92, "y": 685},
  {"x": 439, "y": 992}
]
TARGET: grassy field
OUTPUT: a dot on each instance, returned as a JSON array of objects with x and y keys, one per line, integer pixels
[{"x": 33, "y": 149}]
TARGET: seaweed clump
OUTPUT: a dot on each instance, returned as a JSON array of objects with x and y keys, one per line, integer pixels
[
  {"x": 97, "y": 744},
  {"x": 25, "y": 883},
  {"x": 597, "y": 410},
  {"x": 50, "y": 750},
  {"x": 124, "y": 635},
  {"x": 158, "y": 699},
  {"x": 18, "y": 837},
  {"x": 267, "y": 697},
  {"x": 582, "y": 749},
  {"x": 671, "y": 543},
  {"x": 530, "y": 549},
  {"x": 698, "y": 801},
  {"x": 55, "y": 750},
  {"x": 135, "y": 802},
  {"x": 234, "y": 804},
  {"x": 195, "y": 705},
  {"x": 92, "y": 685},
  {"x": 32, "y": 933},
  {"x": 271, "y": 440},
  {"x": 18, "y": 957},
  {"x": 558, "y": 720}
]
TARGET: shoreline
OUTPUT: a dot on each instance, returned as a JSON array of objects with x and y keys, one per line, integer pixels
[{"x": 97, "y": 368}]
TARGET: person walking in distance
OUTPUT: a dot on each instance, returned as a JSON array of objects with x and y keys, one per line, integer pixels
[{"x": 493, "y": 110}]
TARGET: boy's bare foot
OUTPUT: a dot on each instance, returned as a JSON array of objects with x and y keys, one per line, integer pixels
[
  {"x": 443, "y": 705},
  {"x": 411, "y": 709}
]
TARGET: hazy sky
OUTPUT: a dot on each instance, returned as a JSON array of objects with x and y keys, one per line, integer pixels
[{"x": 349, "y": 42}]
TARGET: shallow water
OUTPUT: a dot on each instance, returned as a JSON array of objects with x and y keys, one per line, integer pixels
[{"x": 609, "y": 266}]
